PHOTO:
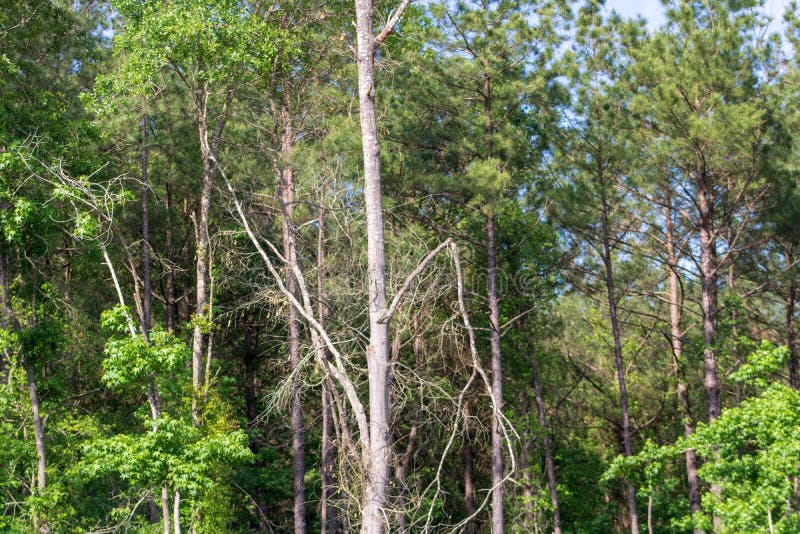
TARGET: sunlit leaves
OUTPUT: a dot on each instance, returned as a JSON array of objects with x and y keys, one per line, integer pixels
[{"x": 133, "y": 360}]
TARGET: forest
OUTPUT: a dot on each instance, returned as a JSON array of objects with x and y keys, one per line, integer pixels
[{"x": 402, "y": 266}]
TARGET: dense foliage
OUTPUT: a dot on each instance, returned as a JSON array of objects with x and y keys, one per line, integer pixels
[{"x": 589, "y": 241}]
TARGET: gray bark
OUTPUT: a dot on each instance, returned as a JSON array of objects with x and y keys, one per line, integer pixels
[
  {"x": 329, "y": 517},
  {"x": 377, "y": 462},
  {"x": 497, "y": 379}
]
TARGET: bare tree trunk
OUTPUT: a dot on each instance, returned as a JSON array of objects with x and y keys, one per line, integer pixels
[
  {"x": 329, "y": 517},
  {"x": 618, "y": 364},
  {"x": 170, "y": 285},
  {"x": 202, "y": 252},
  {"x": 165, "y": 509},
  {"x": 469, "y": 473},
  {"x": 176, "y": 512},
  {"x": 377, "y": 462},
  {"x": 147, "y": 297},
  {"x": 497, "y": 380},
  {"x": 286, "y": 194},
  {"x": 675, "y": 312}
]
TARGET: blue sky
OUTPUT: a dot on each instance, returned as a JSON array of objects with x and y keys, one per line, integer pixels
[{"x": 654, "y": 13}]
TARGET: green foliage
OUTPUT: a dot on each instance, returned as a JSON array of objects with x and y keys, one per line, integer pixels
[
  {"x": 202, "y": 42},
  {"x": 750, "y": 453},
  {"x": 133, "y": 360}
]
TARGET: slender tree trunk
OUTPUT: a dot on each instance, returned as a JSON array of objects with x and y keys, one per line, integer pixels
[
  {"x": 286, "y": 194},
  {"x": 202, "y": 253},
  {"x": 38, "y": 436},
  {"x": 329, "y": 517},
  {"x": 165, "y": 509},
  {"x": 791, "y": 335},
  {"x": 708, "y": 282},
  {"x": 147, "y": 297},
  {"x": 549, "y": 464},
  {"x": 469, "y": 473},
  {"x": 618, "y": 363},
  {"x": 250, "y": 366},
  {"x": 33, "y": 392},
  {"x": 497, "y": 380},
  {"x": 377, "y": 463},
  {"x": 176, "y": 512},
  {"x": 170, "y": 285},
  {"x": 675, "y": 312},
  {"x": 494, "y": 334},
  {"x": 529, "y": 520},
  {"x": 405, "y": 459}
]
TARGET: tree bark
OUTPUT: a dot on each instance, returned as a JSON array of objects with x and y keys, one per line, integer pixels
[
  {"x": 675, "y": 312},
  {"x": 38, "y": 436},
  {"x": 202, "y": 252},
  {"x": 286, "y": 194},
  {"x": 708, "y": 282},
  {"x": 33, "y": 392},
  {"x": 528, "y": 521},
  {"x": 618, "y": 363},
  {"x": 377, "y": 462},
  {"x": 171, "y": 311},
  {"x": 147, "y": 297},
  {"x": 469, "y": 473},
  {"x": 549, "y": 464},
  {"x": 791, "y": 335},
  {"x": 329, "y": 517},
  {"x": 497, "y": 379}
]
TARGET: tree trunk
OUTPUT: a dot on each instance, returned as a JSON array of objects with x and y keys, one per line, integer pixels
[
  {"x": 33, "y": 392},
  {"x": 497, "y": 379},
  {"x": 675, "y": 312},
  {"x": 170, "y": 285},
  {"x": 38, "y": 435},
  {"x": 250, "y": 367},
  {"x": 329, "y": 517},
  {"x": 494, "y": 330},
  {"x": 526, "y": 436},
  {"x": 548, "y": 448},
  {"x": 618, "y": 363},
  {"x": 376, "y": 463},
  {"x": 469, "y": 474},
  {"x": 147, "y": 297},
  {"x": 708, "y": 282},
  {"x": 202, "y": 253},
  {"x": 405, "y": 459},
  {"x": 791, "y": 335},
  {"x": 165, "y": 509},
  {"x": 176, "y": 512},
  {"x": 286, "y": 194}
]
